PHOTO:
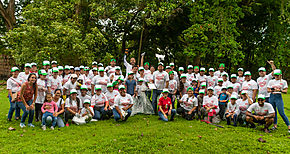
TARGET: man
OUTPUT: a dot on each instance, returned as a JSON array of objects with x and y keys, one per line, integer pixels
[
  {"x": 54, "y": 82},
  {"x": 221, "y": 70},
  {"x": 146, "y": 65},
  {"x": 161, "y": 81},
  {"x": 211, "y": 79},
  {"x": 263, "y": 113},
  {"x": 23, "y": 76},
  {"x": 94, "y": 65},
  {"x": 174, "y": 72},
  {"x": 236, "y": 86},
  {"x": 46, "y": 66},
  {"x": 33, "y": 68},
  {"x": 53, "y": 64},
  {"x": 226, "y": 81},
  {"x": 264, "y": 79},
  {"x": 241, "y": 77},
  {"x": 111, "y": 69},
  {"x": 190, "y": 74},
  {"x": 250, "y": 85},
  {"x": 127, "y": 65},
  {"x": 202, "y": 77}
]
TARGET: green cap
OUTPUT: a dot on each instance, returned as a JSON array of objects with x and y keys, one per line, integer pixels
[
  {"x": 196, "y": 67},
  {"x": 222, "y": 65},
  {"x": 115, "y": 83},
  {"x": 113, "y": 59},
  {"x": 171, "y": 72},
  {"x": 146, "y": 63},
  {"x": 189, "y": 88}
]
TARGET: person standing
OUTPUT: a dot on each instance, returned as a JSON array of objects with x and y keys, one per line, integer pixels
[{"x": 250, "y": 85}]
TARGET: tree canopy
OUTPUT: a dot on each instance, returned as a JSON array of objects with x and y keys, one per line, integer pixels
[{"x": 239, "y": 33}]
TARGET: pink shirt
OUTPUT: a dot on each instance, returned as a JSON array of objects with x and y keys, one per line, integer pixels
[{"x": 53, "y": 107}]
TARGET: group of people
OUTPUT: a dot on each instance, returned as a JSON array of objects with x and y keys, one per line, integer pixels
[{"x": 57, "y": 95}]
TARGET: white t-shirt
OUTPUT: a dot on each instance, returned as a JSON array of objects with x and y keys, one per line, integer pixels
[
  {"x": 40, "y": 93},
  {"x": 210, "y": 101},
  {"x": 219, "y": 73},
  {"x": 69, "y": 86},
  {"x": 54, "y": 84},
  {"x": 226, "y": 83},
  {"x": 99, "y": 100},
  {"x": 188, "y": 102},
  {"x": 14, "y": 84},
  {"x": 172, "y": 86},
  {"x": 282, "y": 84},
  {"x": 23, "y": 77},
  {"x": 84, "y": 110},
  {"x": 83, "y": 98},
  {"x": 127, "y": 65},
  {"x": 122, "y": 102},
  {"x": 243, "y": 105},
  {"x": 217, "y": 90},
  {"x": 233, "y": 108},
  {"x": 211, "y": 81},
  {"x": 190, "y": 77},
  {"x": 111, "y": 96},
  {"x": 236, "y": 87},
  {"x": 87, "y": 81},
  {"x": 261, "y": 111},
  {"x": 147, "y": 72},
  {"x": 240, "y": 80},
  {"x": 186, "y": 85},
  {"x": 65, "y": 78},
  {"x": 160, "y": 79},
  {"x": 250, "y": 86},
  {"x": 110, "y": 70},
  {"x": 202, "y": 79},
  {"x": 115, "y": 77},
  {"x": 148, "y": 77},
  {"x": 59, "y": 103},
  {"x": 103, "y": 81},
  {"x": 262, "y": 83},
  {"x": 73, "y": 103}
]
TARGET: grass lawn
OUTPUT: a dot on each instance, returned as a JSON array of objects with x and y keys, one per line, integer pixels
[{"x": 141, "y": 133}]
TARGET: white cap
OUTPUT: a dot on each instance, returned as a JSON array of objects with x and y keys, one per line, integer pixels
[
  {"x": 122, "y": 87},
  {"x": 171, "y": 64},
  {"x": 33, "y": 64},
  {"x": 66, "y": 67},
  {"x": 95, "y": 69},
  {"x": 183, "y": 76},
  {"x": 118, "y": 68},
  {"x": 211, "y": 69},
  {"x": 168, "y": 67},
  {"x": 73, "y": 76},
  {"x": 141, "y": 79},
  {"x": 210, "y": 88},
  {"x": 247, "y": 73},
  {"x": 220, "y": 79},
  {"x": 53, "y": 62},
  {"x": 141, "y": 68},
  {"x": 234, "y": 96},
  {"x": 202, "y": 69},
  {"x": 100, "y": 64},
  {"x": 180, "y": 69},
  {"x": 165, "y": 91},
  {"x": 60, "y": 68},
  {"x": 223, "y": 87},
  {"x": 130, "y": 72},
  {"x": 55, "y": 69},
  {"x": 109, "y": 85},
  {"x": 234, "y": 76},
  {"x": 202, "y": 91},
  {"x": 224, "y": 73},
  {"x": 71, "y": 67},
  {"x": 244, "y": 92},
  {"x": 203, "y": 84},
  {"x": 27, "y": 65},
  {"x": 84, "y": 87},
  {"x": 42, "y": 72},
  {"x": 73, "y": 91},
  {"x": 189, "y": 66},
  {"x": 262, "y": 69},
  {"x": 94, "y": 63},
  {"x": 46, "y": 62},
  {"x": 98, "y": 87},
  {"x": 277, "y": 72}
]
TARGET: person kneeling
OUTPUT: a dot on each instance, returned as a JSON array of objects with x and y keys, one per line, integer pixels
[
  {"x": 123, "y": 105},
  {"x": 232, "y": 111},
  {"x": 263, "y": 113},
  {"x": 86, "y": 114},
  {"x": 188, "y": 105},
  {"x": 165, "y": 107},
  {"x": 210, "y": 106}
]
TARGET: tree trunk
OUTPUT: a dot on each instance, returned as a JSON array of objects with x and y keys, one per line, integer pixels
[{"x": 8, "y": 14}]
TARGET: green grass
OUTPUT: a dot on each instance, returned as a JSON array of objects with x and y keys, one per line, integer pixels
[{"x": 141, "y": 133}]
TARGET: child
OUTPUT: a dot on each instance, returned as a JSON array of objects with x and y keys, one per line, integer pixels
[
  {"x": 195, "y": 87},
  {"x": 172, "y": 87},
  {"x": 86, "y": 114},
  {"x": 49, "y": 108},
  {"x": 232, "y": 111},
  {"x": 223, "y": 99},
  {"x": 188, "y": 105},
  {"x": 165, "y": 107},
  {"x": 131, "y": 84}
]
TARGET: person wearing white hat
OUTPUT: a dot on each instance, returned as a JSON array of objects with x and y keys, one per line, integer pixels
[
  {"x": 232, "y": 111},
  {"x": 175, "y": 73},
  {"x": 165, "y": 107},
  {"x": 236, "y": 86},
  {"x": 183, "y": 85},
  {"x": 46, "y": 66},
  {"x": 60, "y": 73},
  {"x": 72, "y": 69},
  {"x": 210, "y": 105},
  {"x": 100, "y": 103},
  {"x": 43, "y": 89},
  {"x": 68, "y": 86},
  {"x": 13, "y": 86},
  {"x": 218, "y": 87},
  {"x": 223, "y": 101},
  {"x": 73, "y": 106},
  {"x": 262, "y": 113},
  {"x": 111, "y": 94},
  {"x": 53, "y": 64},
  {"x": 244, "y": 102},
  {"x": 54, "y": 82},
  {"x": 111, "y": 69},
  {"x": 84, "y": 89},
  {"x": 188, "y": 105},
  {"x": 66, "y": 75},
  {"x": 202, "y": 77},
  {"x": 127, "y": 65},
  {"x": 226, "y": 81},
  {"x": 86, "y": 113},
  {"x": 276, "y": 87},
  {"x": 33, "y": 68},
  {"x": 240, "y": 78},
  {"x": 264, "y": 79},
  {"x": 94, "y": 65},
  {"x": 250, "y": 85},
  {"x": 202, "y": 93},
  {"x": 123, "y": 105},
  {"x": 24, "y": 75},
  {"x": 101, "y": 80},
  {"x": 114, "y": 76},
  {"x": 141, "y": 73},
  {"x": 211, "y": 79},
  {"x": 161, "y": 81},
  {"x": 172, "y": 87},
  {"x": 190, "y": 75}
]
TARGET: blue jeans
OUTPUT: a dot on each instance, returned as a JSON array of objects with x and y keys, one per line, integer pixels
[
  {"x": 48, "y": 114},
  {"x": 155, "y": 95},
  {"x": 26, "y": 112},
  {"x": 99, "y": 113},
  {"x": 230, "y": 118},
  {"x": 172, "y": 101},
  {"x": 59, "y": 122},
  {"x": 13, "y": 106},
  {"x": 161, "y": 115},
  {"x": 277, "y": 101},
  {"x": 117, "y": 115}
]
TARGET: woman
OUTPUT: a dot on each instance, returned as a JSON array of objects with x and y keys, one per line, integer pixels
[
  {"x": 165, "y": 107},
  {"x": 43, "y": 89},
  {"x": 13, "y": 86},
  {"x": 100, "y": 103},
  {"x": 276, "y": 87},
  {"x": 60, "y": 104},
  {"x": 243, "y": 104},
  {"x": 27, "y": 98},
  {"x": 188, "y": 105},
  {"x": 210, "y": 105},
  {"x": 73, "y": 106}
]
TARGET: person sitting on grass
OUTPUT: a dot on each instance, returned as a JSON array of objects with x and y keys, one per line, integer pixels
[
  {"x": 72, "y": 106},
  {"x": 165, "y": 107},
  {"x": 48, "y": 109},
  {"x": 111, "y": 94},
  {"x": 232, "y": 111},
  {"x": 223, "y": 101},
  {"x": 100, "y": 104},
  {"x": 263, "y": 113},
  {"x": 123, "y": 105},
  {"x": 243, "y": 104},
  {"x": 200, "y": 101},
  {"x": 188, "y": 105},
  {"x": 86, "y": 114},
  {"x": 210, "y": 105}
]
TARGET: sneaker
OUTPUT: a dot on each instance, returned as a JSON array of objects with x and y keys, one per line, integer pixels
[
  {"x": 43, "y": 127},
  {"x": 30, "y": 125},
  {"x": 52, "y": 128},
  {"x": 22, "y": 125},
  {"x": 94, "y": 120},
  {"x": 67, "y": 125},
  {"x": 274, "y": 128}
]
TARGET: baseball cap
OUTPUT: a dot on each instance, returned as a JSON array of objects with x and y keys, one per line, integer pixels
[
  {"x": 202, "y": 69},
  {"x": 60, "y": 68},
  {"x": 84, "y": 87},
  {"x": 240, "y": 69},
  {"x": 141, "y": 80},
  {"x": 234, "y": 76},
  {"x": 222, "y": 65},
  {"x": 189, "y": 67},
  {"x": 277, "y": 72},
  {"x": 109, "y": 85},
  {"x": 261, "y": 96},
  {"x": 54, "y": 62},
  {"x": 43, "y": 72},
  {"x": 224, "y": 74},
  {"x": 244, "y": 92},
  {"x": 247, "y": 73},
  {"x": 165, "y": 91},
  {"x": 33, "y": 64},
  {"x": 210, "y": 88},
  {"x": 171, "y": 72},
  {"x": 122, "y": 87},
  {"x": 224, "y": 87},
  {"x": 141, "y": 68},
  {"x": 203, "y": 84},
  {"x": 171, "y": 64},
  {"x": 77, "y": 69},
  {"x": 220, "y": 80},
  {"x": 98, "y": 87},
  {"x": 73, "y": 76},
  {"x": 168, "y": 67},
  {"x": 45, "y": 63},
  {"x": 189, "y": 88},
  {"x": 211, "y": 69},
  {"x": 71, "y": 67},
  {"x": 94, "y": 63},
  {"x": 180, "y": 69},
  {"x": 73, "y": 91},
  {"x": 82, "y": 67},
  {"x": 100, "y": 64},
  {"x": 87, "y": 101},
  {"x": 13, "y": 69},
  {"x": 130, "y": 72},
  {"x": 262, "y": 69},
  {"x": 117, "y": 68},
  {"x": 55, "y": 69},
  {"x": 27, "y": 65},
  {"x": 160, "y": 63},
  {"x": 234, "y": 97},
  {"x": 101, "y": 69},
  {"x": 183, "y": 76},
  {"x": 201, "y": 91},
  {"x": 196, "y": 67}
]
